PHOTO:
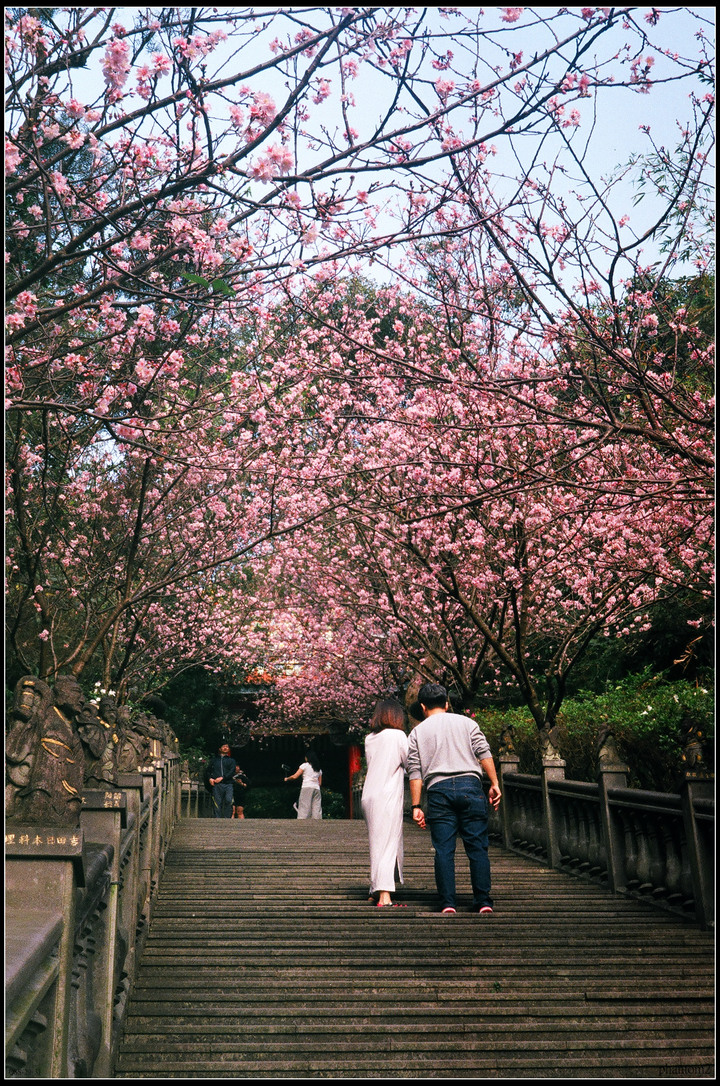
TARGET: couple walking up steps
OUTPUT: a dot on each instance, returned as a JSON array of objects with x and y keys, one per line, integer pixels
[{"x": 447, "y": 753}]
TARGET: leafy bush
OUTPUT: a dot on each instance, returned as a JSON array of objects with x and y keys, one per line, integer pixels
[
  {"x": 271, "y": 802},
  {"x": 647, "y": 715},
  {"x": 195, "y": 757},
  {"x": 277, "y": 802},
  {"x": 334, "y": 804}
]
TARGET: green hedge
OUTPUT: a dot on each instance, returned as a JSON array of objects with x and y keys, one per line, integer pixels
[{"x": 648, "y": 717}]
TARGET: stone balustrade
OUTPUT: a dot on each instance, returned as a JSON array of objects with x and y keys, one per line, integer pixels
[
  {"x": 79, "y": 901},
  {"x": 655, "y": 846},
  {"x": 78, "y": 908}
]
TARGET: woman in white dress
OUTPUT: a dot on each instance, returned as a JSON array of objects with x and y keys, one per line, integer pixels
[{"x": 386, "y": 752}]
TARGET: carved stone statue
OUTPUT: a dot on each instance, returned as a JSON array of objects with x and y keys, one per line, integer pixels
[
  {"x": 693, "y": 756},
  {"x": 607, "y": 752},
  {"x": 507, "y": 740},
  {"x": 148, "y": 727},
  {"x": 141, "y": 738},
  {"x": 130, "y": 752},
  {"x": 33, "y": 701},
  {"x": 170, "y": 740},
  {"x": 100, "y": 757},
  {"x": 549, "y": 745},
  {"x": 50, "y": 754}
]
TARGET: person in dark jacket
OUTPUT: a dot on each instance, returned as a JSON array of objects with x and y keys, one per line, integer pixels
[{"x": 221, "y": 771}]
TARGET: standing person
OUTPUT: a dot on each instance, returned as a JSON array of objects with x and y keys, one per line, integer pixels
[
  {"x": 443, "y": 754},
  {"x": 310, "y": 802},
  {"x": 386, "y": 754},
  {"x": 221, "y": 771},
  {"x": 240, "y": 787}
]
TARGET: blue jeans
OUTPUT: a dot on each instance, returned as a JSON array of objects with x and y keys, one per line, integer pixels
[
  {"x": 455, "y": 806},
  {"x": 223, "y": 799}
]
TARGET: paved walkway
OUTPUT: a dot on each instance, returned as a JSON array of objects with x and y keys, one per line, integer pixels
[{"x": 264, "y": 960}]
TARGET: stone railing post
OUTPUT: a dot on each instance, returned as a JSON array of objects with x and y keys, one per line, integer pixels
[
  {"x": 175, "y": 778},
  {"x": 553, "y": 769},
  {"x": 134, "y": 904},
  {"x": 612, "y": 775},
  {"x": 150, "y": 796},
  {"x": 102, "y": 819},
  {"x": 508, "y": 763},
  {"x": 700, "y": 846},
  {"x": 43, "y": 868}
]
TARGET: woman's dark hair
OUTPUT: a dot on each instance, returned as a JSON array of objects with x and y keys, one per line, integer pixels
[
  {"x": 388, "y": 714},
  {"x": 457, "y": 702},
  {"x": 313, "y": 759}
]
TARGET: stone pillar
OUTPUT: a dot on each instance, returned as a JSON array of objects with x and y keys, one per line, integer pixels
[
  {"x": 152, "y": 794},
  {"x": 612, "y": 775},
  {"x": 508, "y": 763},
  {"x": 137, "y": 877},
  {"x": 553, "y": 769},
  {"x": 103, "y": 817},
  {"x": 44, "y": 865},
  {"x": 699, "y": 786}
]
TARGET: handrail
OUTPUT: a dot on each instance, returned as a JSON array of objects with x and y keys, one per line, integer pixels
[
  {"x": 79, "y": 901},
  {"x": 78, "y": 907},
  {"x": 655, "y": 846}
]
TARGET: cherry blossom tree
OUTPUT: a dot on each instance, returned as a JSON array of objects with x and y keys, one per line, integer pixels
[
  {"x": 185, "y": 187},
  {"x": 476, "y": 541}
]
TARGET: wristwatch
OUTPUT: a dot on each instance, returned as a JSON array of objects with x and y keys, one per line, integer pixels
[{"x": 417, "y": 807}]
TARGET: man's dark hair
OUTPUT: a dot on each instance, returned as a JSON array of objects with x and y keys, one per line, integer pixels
[{"x": 433, "y": 696}]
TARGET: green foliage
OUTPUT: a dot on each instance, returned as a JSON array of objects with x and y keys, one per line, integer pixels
[
  {"x": 690, "y": 221},
  {"x": 647, "y": 715},
  {"x": 333, "y": 804},
  {"x": 526, "y": 738},
  {"x": 194, "y": 710},
  {"x": 196, "y": 758},
  {"x": 272, "y": 802},
  {"x": 277, "y": 802},
  {"x": 669, "y": 646}
]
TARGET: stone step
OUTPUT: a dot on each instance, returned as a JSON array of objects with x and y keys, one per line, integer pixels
[
  {"x": 157, "y": 971},
  {"x": 387, "y": 1064},
  {"x": 264, "y": 960},
  {"x": 398, "y": 1036},
  {"x": 652, "y": 990},
  {"x": 187, "y": 1029}
]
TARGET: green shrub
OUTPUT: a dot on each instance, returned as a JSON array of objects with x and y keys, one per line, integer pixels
[
  {"x": 272, "y": 802},
  {"x": 277, "y": 802},
  {"x": 334, "y": 804},
  {"x": 647, "y": 715},
  {"x": 196, "y": 757}
]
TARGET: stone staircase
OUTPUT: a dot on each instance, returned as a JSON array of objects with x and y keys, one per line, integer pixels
[{"x": 265, "y": 960}]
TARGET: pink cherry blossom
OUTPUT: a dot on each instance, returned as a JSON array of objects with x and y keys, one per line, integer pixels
[
  {"x": 12, "y": 157},
  {"x": 116, "y": 67},
  {"x": 233, "y": 445}
]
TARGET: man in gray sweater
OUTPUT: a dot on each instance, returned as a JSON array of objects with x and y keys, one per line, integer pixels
[{"x": 446, "y": 753}]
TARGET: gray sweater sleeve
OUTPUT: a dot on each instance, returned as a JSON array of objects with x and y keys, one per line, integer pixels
[{"x": 414, "y": 771}]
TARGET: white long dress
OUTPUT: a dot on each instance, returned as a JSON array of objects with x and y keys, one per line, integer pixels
[{"x": 386, "y": 753}]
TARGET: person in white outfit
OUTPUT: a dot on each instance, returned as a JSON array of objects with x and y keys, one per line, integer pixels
[
  {"x": 309, "y": 805},
  {"x": 386, "y": 754}
]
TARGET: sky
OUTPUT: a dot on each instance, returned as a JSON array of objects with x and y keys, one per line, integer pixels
[{"x": 616, "y": 133}]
